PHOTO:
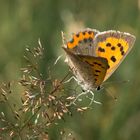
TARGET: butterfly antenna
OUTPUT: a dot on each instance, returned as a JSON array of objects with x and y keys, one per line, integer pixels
[
  {"x": 58, "y": 58},
  {"x": 116, "y": 82},
  {"x": 63, "y": 38},
  {"x": 111, "y": 93}
]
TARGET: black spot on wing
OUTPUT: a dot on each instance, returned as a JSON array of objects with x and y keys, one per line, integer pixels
[
  {"x": 77, "y": 35},
  {"x": 121, "y": 48},
  {"x": 99, "y": 65},
  {"x": 89, "y": 63},
  {"x": 108, "y": 44},
  {"x": 113, "y": 59},
  {"x": 108, "y": 67},
  {"x": 97, "y": 71},
  {"x": 85, "y": 40},
  {"x": 80, "y": 42},
  {"x": 84, "y": 33},
  {"x": 119, "y": 44},
  {"x": 122, "y": 53},
  {"x": 101, "y": 49},
  {"x": 75, "y": 46},
  {"x": 72, "y": 40},
  {"x": 90, "y": 32},
  {"x": 113, "y": 48},
  {"x": 90, "y": 39}
]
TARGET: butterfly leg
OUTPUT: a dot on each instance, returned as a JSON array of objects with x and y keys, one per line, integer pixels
[
  {"x": 92, "y": 99},
  {"x": 77, "y": 97},
  {"x": 70, "y": 79}
]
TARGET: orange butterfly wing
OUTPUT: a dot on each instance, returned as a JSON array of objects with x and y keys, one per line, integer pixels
[
  {"x": 114, "y": 46},
  {"x": 99, "y": 67},
  {"x": 82, "y": 42}
]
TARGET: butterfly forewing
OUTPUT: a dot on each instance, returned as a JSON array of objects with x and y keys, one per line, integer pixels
[
  {"x": 82, "y": 42},
  {"x": 114, "y": 46}
]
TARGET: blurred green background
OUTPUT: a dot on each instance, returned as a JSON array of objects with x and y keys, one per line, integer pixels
[{"x": 22, "y": 22}]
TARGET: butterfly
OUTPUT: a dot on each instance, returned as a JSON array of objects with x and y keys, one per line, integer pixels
[{"x": 93, "y": 56}]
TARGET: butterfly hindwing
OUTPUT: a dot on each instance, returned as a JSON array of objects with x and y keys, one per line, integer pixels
[
  {"x": 114, "y": 46},
  {"x": 98, "y": 65}
]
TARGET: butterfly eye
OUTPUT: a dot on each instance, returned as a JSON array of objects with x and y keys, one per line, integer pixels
[{"x": 98, "y": 88}]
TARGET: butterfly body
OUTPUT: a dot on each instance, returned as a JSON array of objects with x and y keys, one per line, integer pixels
[{"x": 93, "y": 56}]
